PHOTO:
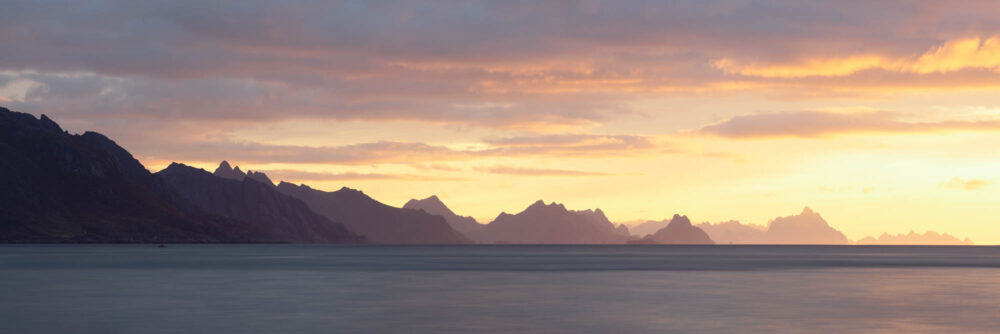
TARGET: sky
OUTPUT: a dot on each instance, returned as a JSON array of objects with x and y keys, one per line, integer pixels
[{"x": 883, "y": 116}]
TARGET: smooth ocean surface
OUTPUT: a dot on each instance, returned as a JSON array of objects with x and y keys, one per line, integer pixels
[{"x": 497, "y": 289}]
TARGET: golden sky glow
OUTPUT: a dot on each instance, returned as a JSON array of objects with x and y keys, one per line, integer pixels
[
  {"x": 883, "y": 117},
  {"x": 953, "y": 55}
]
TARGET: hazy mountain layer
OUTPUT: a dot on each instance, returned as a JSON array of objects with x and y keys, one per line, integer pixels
[
  {"x": 434, "y": 206},
  {"x": 380, "y": 223},
  {"x": 806, "y": 228},
  {"x": 550, "y": 224},
  {"x": 648, "y": 227},
  {"x": 678, "y": 232},
  {"x": 733, "y": 232},
  {"x": 913, "y": 238}
]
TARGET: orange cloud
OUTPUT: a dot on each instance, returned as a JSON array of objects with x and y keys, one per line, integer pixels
[
  {"x": 810, "y": 124},
  {"x": 525, "y": 171},
  {"x": 417, "y": 154},
  {"x": 964, "y": 184},
  {"x": 576, "y": 144},
  {"x": 953, "y": 55},
  {"x": 301, "y": 175}
]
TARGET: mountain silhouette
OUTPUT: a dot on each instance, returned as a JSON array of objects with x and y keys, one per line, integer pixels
[
  {"x": 227, "y": 172},
  {"x": 434, "y": 206},
  {"x": 678, "y": 232},
  {"x": 544, "y": 223},
  {"x": 64, "y": 187},
  {"x": 913, "y": 238},
  {"x": 806, "y": 228},
  {"x": 279, "y": 215},
  {"x": 380, "y": 223},
  {"x": 85, "y": 188}
]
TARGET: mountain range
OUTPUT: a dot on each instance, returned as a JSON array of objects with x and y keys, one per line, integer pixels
[
  {"x": 913, "y": 238},
  {"x": 808, "y": 227},
  {"x": 258, "y": 204},
  {"x": 62, "y": 187},
  {"x": 85, "y": 188},
  {"x": 542, "y": 223}
]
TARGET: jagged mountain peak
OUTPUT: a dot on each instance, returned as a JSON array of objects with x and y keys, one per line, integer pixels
[
  {"x": 228, "y": 171},
  {"x": 680, "y": 220}
]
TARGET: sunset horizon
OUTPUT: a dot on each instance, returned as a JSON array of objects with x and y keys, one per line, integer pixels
[
  {"x": 717, "y": 110},
  {"x": 586, "y": 166}
]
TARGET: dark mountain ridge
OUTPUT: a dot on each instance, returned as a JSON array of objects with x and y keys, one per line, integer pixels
[
  {"x": 259, "y": 204},
  {"x": 85, "y": 188}
]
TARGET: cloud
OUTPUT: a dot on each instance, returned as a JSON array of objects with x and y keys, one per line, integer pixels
[
  {"x": 382, "y": 152},
  {"x": 966, "y": 184},
  {"x": 811, "y": 124},
  {"x": 421, "y": 155},
  {"x": 577, "y": 144},
  {"x": 527, "y": 171},
  {"x": 528, "y": 65},
  {"x": 953, "y": 55},
  {"x": 438, "y": 167},
  {"x": 300, "y": 175},
  {"x": 87, "y": 95}
]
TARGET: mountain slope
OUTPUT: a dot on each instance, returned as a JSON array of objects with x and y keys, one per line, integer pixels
[
  {"x": 434, "y": 206},
  {"x": 85, "y": 188},
  {"x": 550, "y": 224},
  {"x": 378, "y": 222},
  {"x": 280, "y": 216}
]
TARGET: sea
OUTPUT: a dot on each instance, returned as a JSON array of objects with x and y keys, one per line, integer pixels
[{"x": 498, "y": 289}]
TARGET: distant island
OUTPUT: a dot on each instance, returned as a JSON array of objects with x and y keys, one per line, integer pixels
[{"x": 69, "y": 188}]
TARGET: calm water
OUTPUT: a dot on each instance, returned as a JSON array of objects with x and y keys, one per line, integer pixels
[{"x": 497, "y": 289}]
